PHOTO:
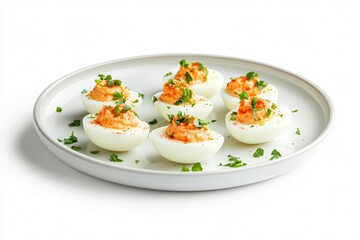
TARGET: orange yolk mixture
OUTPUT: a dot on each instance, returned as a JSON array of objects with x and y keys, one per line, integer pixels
[
  {"x": 183, "y": 128},
  {"x": 177, "y": 92},
  {"x": 104, "y": 92},
  {"x": 254, "y": 110},
  {"x": 242, "y": 84},
  {"x": 119, "y": 117},
  {"x": 192, "y": 73}
]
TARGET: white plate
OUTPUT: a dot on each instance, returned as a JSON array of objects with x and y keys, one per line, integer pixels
[{"x": 144, "y": 74}]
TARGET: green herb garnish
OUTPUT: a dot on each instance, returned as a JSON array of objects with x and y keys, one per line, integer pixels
[
  {"x": 141, "y": 95},
  {"x": 268, "y": 112},
  {"x": 154, "y": 99},
  {"x": 213, "y": 120},
  {"x": 72, "y": 139},
  {"x": 84, "y": 91},
  {"x": 114, "y": 158},
  {"x": 258, "y": 153},
  {"x": 197, "y": 167},
  {"x": 275, "y": 154},
  {"x": 273, "y": 106},
  {"x": 76, "y": 148},
  {"x": 126, "y": 108},
  {"x": 234, "y": 162},
  {"x": 233, "y": 116},
  {"x": 253, "y": 106},
  {"x": 154, "y": 121},
  {"x": 183, "y": 63},
  {"x": 261, "y": 84},
  {"x": 94, "y": 152},
  {"x": 186, "y": 97},
  {"x": 252, "y": 75},
  {"x": 75, "y": 123},
  {"x": 201, "y": 66},
  {"x": 298, "y": 131},
  {"x": 137, "y": 161},
  {"x": 58, "y": 109},
  {"x": 188, "y": 77},
  {"x": 243, "y": 95},
  {"x": 294, "y": 111},
  {"x": 118, "y": 96},
  {"x": 168, "y": 74},
  {"x": 185, "y": 169},
  {"x": 201, "y": 123}
]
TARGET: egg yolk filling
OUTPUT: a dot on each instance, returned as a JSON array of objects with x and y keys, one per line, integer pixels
[
  {"x": 177, "y": 92},
  {"x": 192, "y": 73},
  {"x": 249, "y": 83},
  {"x": 107, "y": 89},
  {"x": 187, "y": 129},
  {"x": 254, "y": 111},
  {"x": 119, "y": 117}
]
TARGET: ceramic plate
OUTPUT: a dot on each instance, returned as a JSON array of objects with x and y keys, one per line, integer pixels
[{"x": 143, "y": 167}]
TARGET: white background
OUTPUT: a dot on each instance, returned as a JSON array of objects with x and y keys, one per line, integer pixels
[{"x": 42, "y": 198}]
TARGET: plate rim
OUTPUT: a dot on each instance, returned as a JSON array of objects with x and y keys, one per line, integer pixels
[{"x": 316, "y": 141}]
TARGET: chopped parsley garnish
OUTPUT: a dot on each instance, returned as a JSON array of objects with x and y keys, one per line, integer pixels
[
  {"x": 268, "y": 112},
  {"x": 94, "y": 152},
  {"x": 154, "y": 121},
  {"x": 186, "y": 97},
  {"x": 171, "y": 82},
  {"x": 233, "y": 116},
  {"x": 201, "y": 123},
  {"x": 58, "y": 109},
  {"x": 261, "y": 84},
  {"x": 84, "y": 91},
  {"x": 75, "y": 123},
  {"x": 298, "y": 131},
  {"x": 118, "y": 96},
  {"x": 234, "y": 162},
  {"x": 76, "y": 148},
  {"x": 126, "y": 108},
  {"x": 141, "y": 95},
  {"x": 243, "y": 95},
  {"x": 281, "y": 115},
  {"x": 197, "y": 167},
  {"x": 168, "y": 107},
  {"x": 103, "y": 77},
  {"x": 258, "y": 153},
  {"x": 188, "y": 77},
  {"x": 154, "y": 99},
  {"x": 253, "y": 106},
  {"x": 168, "y": 74},
  {"x": 201, "y": 66},
  {"x": 294, "y": 111},
  {"x": 275, "y": 154},
  {"x": 252, "y": 75},
  {"x": 183, "y": 63},
  {"x": 185, "y": 169},
  {"x": 273, "y": 106},
  {"x": 72, "y": 139},
  {"x": 213, "y": 120},
  {"x": 136, "y": 101},
  {"x": 114, "y": 158},
  {"x": 170, "y": 117}
]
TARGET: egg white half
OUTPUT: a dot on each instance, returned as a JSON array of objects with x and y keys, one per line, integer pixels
[
  {"x": 256, "y": 133},
  {"x": 115, "y": 139},
  {"x": 269, "y": 93},
  {"x": 207, "y": 89},
  {"x": 94, "y": 106},
  {"x": 180, "y": 152},
  {"x": 202, "y": 109}
]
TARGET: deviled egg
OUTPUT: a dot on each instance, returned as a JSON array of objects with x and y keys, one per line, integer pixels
[
  {"x": 257, "y": 120},
  {"x": 178, "y": 97},
  {"x": 251, "y": 84},
  {"x": 186, "y": 139},
  {"x": 203, "y": 81},
  {"x": 110, "y": 92},
  {"x": 116, "y": 128}
]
